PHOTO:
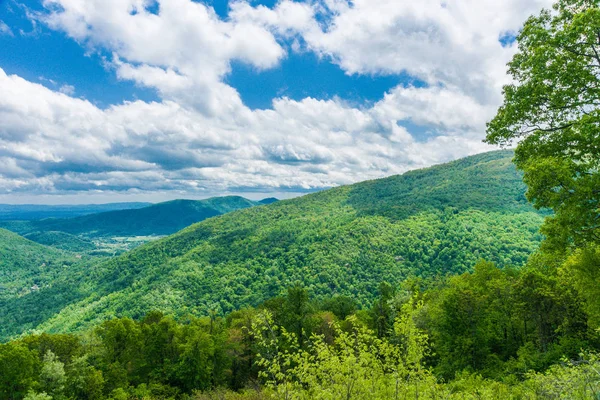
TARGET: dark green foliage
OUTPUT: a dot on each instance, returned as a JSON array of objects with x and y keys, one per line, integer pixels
[
  {"x": 340, "y": 306},
  {"x": 268, "y": 200},
  {"x": 17, "y": 369},
  {"x": 383, "y": 313},
  {"x": 62, "y": 240},
  {"x": 489, "y": 321}
]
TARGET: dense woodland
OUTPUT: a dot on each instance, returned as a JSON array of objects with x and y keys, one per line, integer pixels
[
  {"x": 493, "y": 333},
  {"x": 432, "y": 285}
]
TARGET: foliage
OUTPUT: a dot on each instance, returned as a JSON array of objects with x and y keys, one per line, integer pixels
[
  {"x": 581, "y": 271},
  {"x": 24, "y": 264},
  {"x": 62, "y": 240},
  {"x": 257, "y": 354},
  {"x": 552, "y": 109}
]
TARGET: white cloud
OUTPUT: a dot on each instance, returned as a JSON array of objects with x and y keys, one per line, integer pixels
[
  {"x": 62, "y": 144},
  {"x": 5, "y": 29},
  {"x": 454, "y": 43},
  {"x": 185, "y": 48},
  {"x": 67, "y": 89},
  {"x": 201, "y": 138}
]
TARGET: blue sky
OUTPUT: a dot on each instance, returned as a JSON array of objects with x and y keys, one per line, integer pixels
[{"x": 147, "y": 100}]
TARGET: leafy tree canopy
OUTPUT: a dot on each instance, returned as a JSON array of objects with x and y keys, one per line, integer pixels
[{"x": 552, "y": 111}]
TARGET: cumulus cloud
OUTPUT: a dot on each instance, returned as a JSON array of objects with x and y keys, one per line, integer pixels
[
  {"x": 201, "y": 138},
  {"x": 454, "y": 43},
  {"x": 184, "y": 51}
]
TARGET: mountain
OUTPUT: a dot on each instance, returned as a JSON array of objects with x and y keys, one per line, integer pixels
[
  {"x": 345, "y": 240},
  {"x": 23, "y": 264},
  {"x": 268, "y": 200},
  {"x": 28, "y": 273},
  {"x": 34, "y": 211},
  {"x": 62, "y": 240},
  {"x": 157, "y": 219}
]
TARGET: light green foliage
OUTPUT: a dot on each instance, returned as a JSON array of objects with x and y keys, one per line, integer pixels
[
  {"x": 37, "y": 396},
  {"x": 413, "y": 342},
  {"x": 576, "y": 380},
  {"x": 52, "y": 375},
  {"x": 553, "y": 108},
  {"x": 357, "y": 365},
  {"x": 582, "y": 271}
]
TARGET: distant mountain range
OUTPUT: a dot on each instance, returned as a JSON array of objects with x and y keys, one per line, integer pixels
[
  {"x": 156, "y": 219},
  {"x": 35, "y": 211},
  {"x": 346, "y": 241}
]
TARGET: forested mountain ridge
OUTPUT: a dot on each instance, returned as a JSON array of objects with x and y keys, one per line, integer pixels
[
  {"x": 157, "y": 219},
  {"x": 346, "y": 240},
  {"x": 25, "y": 264}
]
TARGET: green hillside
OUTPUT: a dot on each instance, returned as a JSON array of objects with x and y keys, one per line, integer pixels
[
  {"x": 346, "y": 240},
  {"x": 36, "y": 281},
  {"x": 62, "y": 240},
  {"x": 24, "y": 264},
  {"x": 158, "y": 219}
]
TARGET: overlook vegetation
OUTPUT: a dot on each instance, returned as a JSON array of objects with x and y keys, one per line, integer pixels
[
  {"x": 343, "y": 241},
  {"x": 28, "y": 268},
  {"x": 62, "y": 240},
  {"x": 428, "y": 340}
]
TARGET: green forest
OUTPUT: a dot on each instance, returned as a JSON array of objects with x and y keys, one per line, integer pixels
[
  {"x": 488, "y": 334},
  {"x": 476, "y": 279}
]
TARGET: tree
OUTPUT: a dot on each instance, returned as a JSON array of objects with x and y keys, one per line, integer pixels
[
  {"x": 296, "y": 312},
  {"x": 341, "y": 306},
  {"x": 31, "y": 395},
  {"x": 17, "y": 367},
  {"x": 382, "y": 312},
  {"x": 582, "y": 272},
  {"x": 84, "y": 381},
  {"x": 52, "y": 375},
  {"x": 552, "y": 111}
]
